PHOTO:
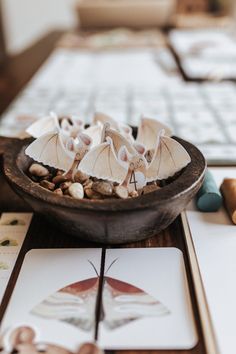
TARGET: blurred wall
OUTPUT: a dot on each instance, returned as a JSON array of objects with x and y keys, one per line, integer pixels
[{"x": 27, "y": 20}]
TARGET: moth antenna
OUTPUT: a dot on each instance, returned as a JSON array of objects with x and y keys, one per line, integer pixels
[
  {"x": 93, "y": 267},
  {"x": 111, "y": 265}
]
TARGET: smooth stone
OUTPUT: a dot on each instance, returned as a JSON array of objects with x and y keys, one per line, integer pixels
[
  {"x": 149, "y": 189},
  {"x": 90, "y": 348},
  {"x": 59, "y": 179},
  {"x": 58, "y": 191},
  {"x": 76, "y": 191},
  {"x": 90, "y": 193},
  {"x": 104, "y": 188},
  {"x": 133, "y": 194},
  {"x": 121, "y": 192},
  {"x": 47, "y": 185},
  {"x": 209, "y": 198},
  {"x": 81, "y": 177},
  {"x": 38, "y": 170},
  {"x": 65, "y": 185}
]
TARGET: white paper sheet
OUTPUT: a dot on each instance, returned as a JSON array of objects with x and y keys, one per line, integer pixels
[{"x": 214, "y": 238}]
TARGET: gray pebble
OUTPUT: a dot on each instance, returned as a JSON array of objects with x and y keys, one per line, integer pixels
[{"x": 38, "y": 170}]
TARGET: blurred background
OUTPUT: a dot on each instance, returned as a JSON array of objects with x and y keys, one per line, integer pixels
[{"x": 26, "y": 20}]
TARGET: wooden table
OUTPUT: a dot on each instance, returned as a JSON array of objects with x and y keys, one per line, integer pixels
[{"x": 13, "y": 76}]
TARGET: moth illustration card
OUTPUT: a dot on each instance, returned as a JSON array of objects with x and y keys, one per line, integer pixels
[
  {"x": 146, "y": 303},
  {"x": 56, "y": 295},
  {"x": 144, "y": 295}
]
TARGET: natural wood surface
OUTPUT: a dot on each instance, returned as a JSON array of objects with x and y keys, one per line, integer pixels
[{"x": 43, "y": 235}]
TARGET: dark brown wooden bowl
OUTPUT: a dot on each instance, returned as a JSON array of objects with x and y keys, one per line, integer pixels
[{"x": 110, "y": 221}]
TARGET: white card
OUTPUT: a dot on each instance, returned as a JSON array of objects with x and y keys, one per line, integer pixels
[
  {"x": 162, "y": 313},
  {"x": 43, "y": 274},
  {"x": 67, "y": 317},
  {"x": 214, "y": 238}
]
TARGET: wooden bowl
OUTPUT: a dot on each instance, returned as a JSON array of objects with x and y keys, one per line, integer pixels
[{"x": 110, "y": 221}]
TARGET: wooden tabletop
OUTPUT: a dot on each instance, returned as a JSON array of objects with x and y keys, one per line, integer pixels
[{"x": 13, "y": 76}]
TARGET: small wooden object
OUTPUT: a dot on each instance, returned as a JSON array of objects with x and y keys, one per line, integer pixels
[{"x": 228, "y": 189}]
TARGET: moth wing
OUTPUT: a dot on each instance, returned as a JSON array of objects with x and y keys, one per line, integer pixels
[
  {"x": 169, "y": 157},
  {"x": 75, "y": 304},
  {"x": 43, "y": 125},
  {"x": 104, "y": 118},
  {"x": 95, "y": 133},
  {"x": 123, "y": 303},
  {"x": 149, "y": 130},
  {"x": 119, "y": 141},
  {"x": 50, "y": 150},
  {"x": 101, "y": 162}
]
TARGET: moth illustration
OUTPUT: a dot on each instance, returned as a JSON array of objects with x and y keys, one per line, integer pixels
[
  {"x": 101, "y": 162},
  {"x": 148, "y": 131},
  {"x": 121, "y": 303}
]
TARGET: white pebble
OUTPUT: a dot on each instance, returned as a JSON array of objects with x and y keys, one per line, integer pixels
[
  {"x": 76, "y": 191},
  {"x": 38, "y": 170}
]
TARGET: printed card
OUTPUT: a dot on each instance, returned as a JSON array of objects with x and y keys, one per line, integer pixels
[{"x": 144, "y": 296}]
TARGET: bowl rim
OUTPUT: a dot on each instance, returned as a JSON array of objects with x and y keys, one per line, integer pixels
[{"x": 191, "y": 176}]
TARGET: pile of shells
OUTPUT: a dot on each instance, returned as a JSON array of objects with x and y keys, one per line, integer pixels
[{"x": 82, "y": 185}]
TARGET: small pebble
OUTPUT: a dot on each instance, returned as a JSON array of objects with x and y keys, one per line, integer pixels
[
  {"x": 90, "y": 348},
  {"x": 76, "y": 191},
  {"x": 38, "y": 170},
  {"x": 59, "y": 179},
  {"x": 133, "y": 194},
  {"x": 104, "y": 188},
  {"x": 88, "y": 182},
  {"x": 58, "y": 191},
  {"x": 80, "y": 177},
  {"x": 149, "y": 189},
  {"x": 47, "y": 185},
  {"x": 65, "y": 185},
  {"x": 121, "y": 192},
  {"x": 90, "y": 193}
]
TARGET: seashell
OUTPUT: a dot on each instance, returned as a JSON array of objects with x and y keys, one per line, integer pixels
[
  {"x": 76, "y": 191},
  {"x": 47, "y": 185},
  {"x": 104, "y": 188},
  {"x": 121, "y": 192},
  {"x": 38, "y": 170}
]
